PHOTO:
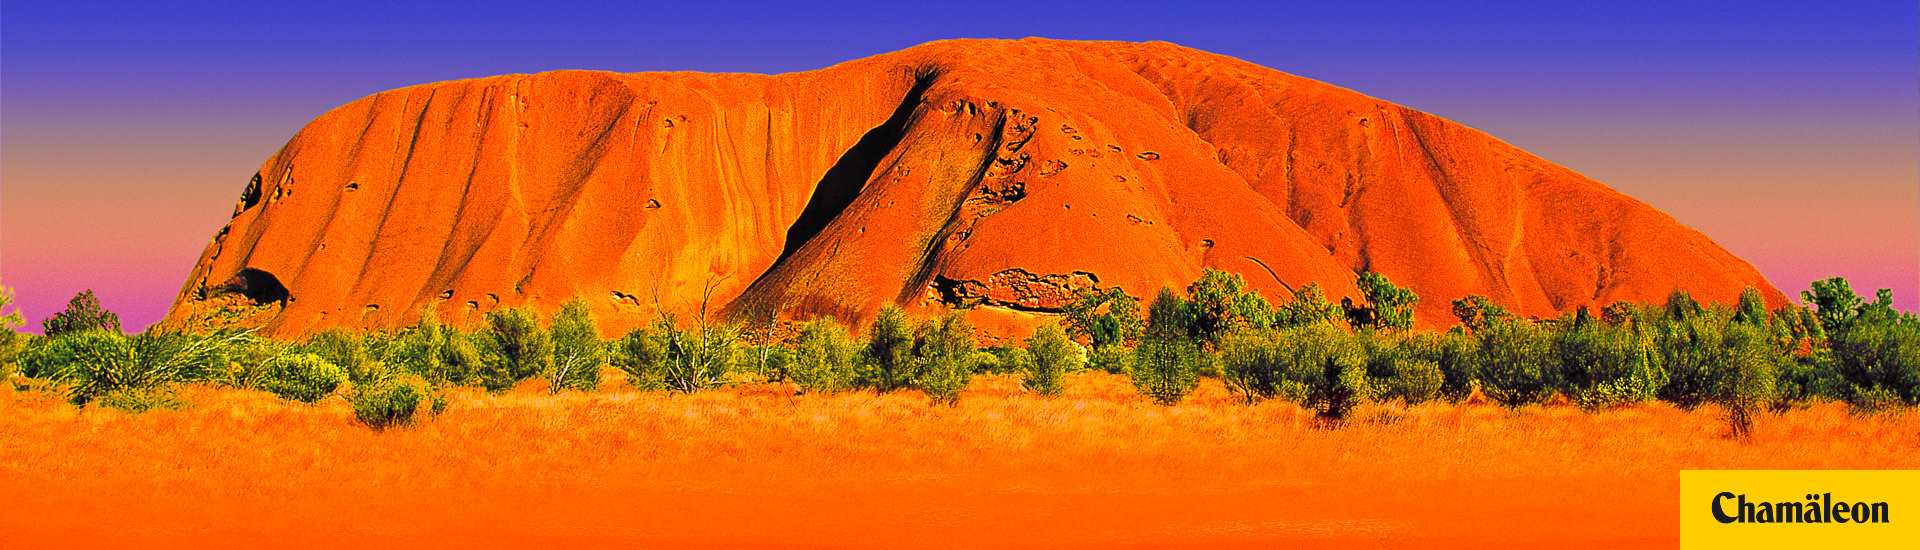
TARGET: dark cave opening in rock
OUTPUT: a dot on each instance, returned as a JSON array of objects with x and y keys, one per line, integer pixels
[{"x": 259, "y": 286}]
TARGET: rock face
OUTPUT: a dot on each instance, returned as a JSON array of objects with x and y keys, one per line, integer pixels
[{"x": 999, "y": 176}]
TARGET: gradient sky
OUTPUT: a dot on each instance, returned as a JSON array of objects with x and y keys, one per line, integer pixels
[{"x": 1787, "y": 131}]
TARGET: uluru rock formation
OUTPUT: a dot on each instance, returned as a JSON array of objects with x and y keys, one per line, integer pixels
[{"x": 998, "y": 176}]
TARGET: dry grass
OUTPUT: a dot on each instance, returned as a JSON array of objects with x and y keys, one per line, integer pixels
[{"x": 755, "y": 466}]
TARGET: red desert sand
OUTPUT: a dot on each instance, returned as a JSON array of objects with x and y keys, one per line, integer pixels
[
  {"x": 998, "y": 175},
  {"x": 759, "y": 466}
]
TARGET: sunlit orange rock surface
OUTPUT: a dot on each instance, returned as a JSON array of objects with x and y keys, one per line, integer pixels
[{"x": 995, "y": 175}]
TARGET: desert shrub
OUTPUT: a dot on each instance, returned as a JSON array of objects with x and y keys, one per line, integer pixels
[
  {"x": 1166, "y": 363},
  {"x": 1834, "y": 304},
  {"x": 389, "y": 402},
  {"x": 1807, "y": 377},
  {"x": 1416, "y": 380},
  {"x": 642, "y": 355},
  {"x": 577, "y": 349},
  {"x": 824, "y": 357},
  {"x": 1249, "y": 365},
  {"x": 1454, "y": 355},
  {"x": 1166, "y": 368},
  {"x": 348, "y": 350},
  {"x": 1111, "y": 360},
  {"x": 1691, "y": 350},
  {"x": 771, "y": 363},
  {"x": 889, "y": 350},
  {"x": 1104, "y": 318},
  {"x": 303, "y": 377},
  {"x": 1323, "y": 368},
  {"x": 1877, "y": 351},
  {"x": 1743, "y": 380},
  {"x": 1010, "y": 359},
  {"x": 1221, "y": 303},
  {"x": 95, "y": 363},
  {"x": 1053, "y": 355},
  {"x": 1309, "y": 306},
  {"x": 942, "y": 357},
  {"x": 514, "y": 347},
  {"x": 83, "y": 313},
  {"x": 11, "y": 341},
  {"x": 1477, "y": 312},
  {"x": 1389, "y": 306},
  {"x": 1601, "y": 365},
  {"x": 1514, "y": 359},
  {"x": 248, "y": 360},
  {"x": 436, "y": 352}
]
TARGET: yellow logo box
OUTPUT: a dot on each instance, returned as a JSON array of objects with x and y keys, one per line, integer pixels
[{"x": 1800, "y": 509}]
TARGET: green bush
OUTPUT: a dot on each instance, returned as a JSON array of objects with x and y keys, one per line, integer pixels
[
  {"x": 1743, "y": 380},
  {"x": 346, "y": 349},
  {"x": 1010, "y": 359},
  {"x": 1877, "y": 352},
  {"x": 1514, "y": 358},
  {"x": 1111, "y": 360},
  {"x": 1602, "y": 365},
  {"x": 942, "y": 357},
  {"x": 1310, "y": 306},
  {"x": 11, "y": 342},
  {"x": 1416, "y": 380},
  {"x": 770, "y": 362},
  {"x": 642, "y": 356},
  {"x": 889, "y": 350},
  {"x": 1806, "y": 378},
  {"x": 1053, "y": 355},
  {"x": 436, "y": 352},
  {"x": 824, "y": 357},
  {"x": 1166, "y": 368},
  {"x": 577, "y": 349},
  {"x": 303, "y": 377},
  {"x": 1323, "y": 368},
  {"x": 1248, "y": 365},
  {"x": 514, "y": 348},
  {"x": 390, "y": 402},
  {"x": 1105, "y": 318},
  {"x": 1692, "y": 352},
  {"x": 1166, "y": 364},
  {"x": 1454, "y": 355},
  {"x": 95, "y": 363},
  {"x": 1389, "y": 306},
  {"x": 83, "y": 314},
  {"x": 1221, "y": 303}
]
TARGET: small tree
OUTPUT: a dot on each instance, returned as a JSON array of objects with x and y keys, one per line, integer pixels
[
  {"x": 577, "y": 349},
  {"x": 942, "y": 360},
  {"x": 1603, "y": 365},
  {"x": 1052, "y": 355},
  {"x": 1309, "y": 306},
  {"x": 1752, "y": 309},
  {"x": 1476, "y": 312},
  {"x": 516, "y": 348},
  {"x": 1392, "y": 305},
  {"x": 1834, "y": 303},
  {"x": 1513, "y": 359},
  {"x": 83, "y": 313},
  {"x": 642, "y": 355},
  {"x": 1221, "y": 303},
  {"x": 1744, "y": 376},
  {"x": 1166, "y": 363},
  {"x": 1324, "y": 369},
  {"x": 889, "y": 350},
  {"x": 1104, "y": 318},
  {"x": 823, "y": 357}
]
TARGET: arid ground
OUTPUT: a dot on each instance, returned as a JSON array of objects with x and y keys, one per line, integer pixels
[{"x": 757, "y": 466}]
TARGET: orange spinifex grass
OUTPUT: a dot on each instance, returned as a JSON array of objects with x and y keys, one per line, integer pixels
[{"x": 756, "y": 465}]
